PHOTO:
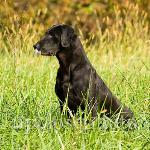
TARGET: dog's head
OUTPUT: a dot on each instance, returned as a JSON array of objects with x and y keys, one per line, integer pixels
[{"x": 55, "y": 38}]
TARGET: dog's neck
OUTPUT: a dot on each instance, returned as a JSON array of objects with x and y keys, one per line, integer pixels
[{"x": 72, "y": 56}]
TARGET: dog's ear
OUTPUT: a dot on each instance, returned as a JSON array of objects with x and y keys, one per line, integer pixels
[{"x": 66, "y": 35}]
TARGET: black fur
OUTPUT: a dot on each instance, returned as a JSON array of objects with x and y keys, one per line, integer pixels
[{"x": 76, "y": 77}]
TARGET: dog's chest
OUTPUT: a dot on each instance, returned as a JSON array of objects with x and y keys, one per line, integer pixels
[
  {"x": 72, "y": 85},
  {"x": 63, "y": 84}
]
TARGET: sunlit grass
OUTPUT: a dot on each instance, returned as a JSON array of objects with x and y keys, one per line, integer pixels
[{"x": 30, "y": 116}]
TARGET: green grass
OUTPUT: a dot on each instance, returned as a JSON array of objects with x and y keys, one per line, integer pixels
[{"x": 30, "y": 116}]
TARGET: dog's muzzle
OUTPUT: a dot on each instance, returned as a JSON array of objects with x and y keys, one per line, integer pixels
[
  {"x": 37, "y": 52},
  {"x": 37, "y": 49}
]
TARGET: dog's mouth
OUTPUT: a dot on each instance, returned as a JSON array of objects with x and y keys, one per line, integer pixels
[{"x": 39, "y": 52}]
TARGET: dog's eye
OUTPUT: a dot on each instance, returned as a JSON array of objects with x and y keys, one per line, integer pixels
[{"x": 51, "y": 35}]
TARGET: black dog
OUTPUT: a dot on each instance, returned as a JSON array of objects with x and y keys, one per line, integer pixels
[{"x": 77, "y": 81}]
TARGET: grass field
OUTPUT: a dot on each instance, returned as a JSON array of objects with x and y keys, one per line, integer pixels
[{"x": 30, "y": 116}]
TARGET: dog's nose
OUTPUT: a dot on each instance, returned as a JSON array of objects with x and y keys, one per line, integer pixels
[{"x": 36, "y": 46}]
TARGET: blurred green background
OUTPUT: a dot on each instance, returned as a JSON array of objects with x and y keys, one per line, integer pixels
[{"x": 88, "y": 15}]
